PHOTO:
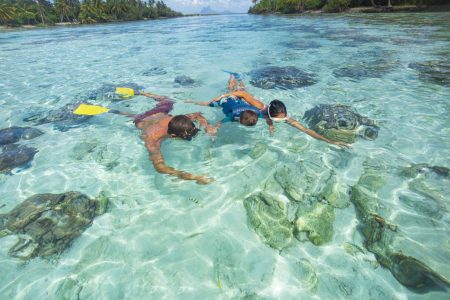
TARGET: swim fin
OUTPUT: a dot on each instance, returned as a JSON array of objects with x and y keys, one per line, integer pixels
[
  {"x": 90, "y": 110},
  {"x": 237, "y": 75},
  {"x": 125, "y": 92}
]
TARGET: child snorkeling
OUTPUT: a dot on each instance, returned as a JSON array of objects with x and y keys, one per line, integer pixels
[{"x": 274, "y": 112}]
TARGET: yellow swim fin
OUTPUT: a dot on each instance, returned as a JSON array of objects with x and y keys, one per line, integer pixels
[
  {"x": 90, "y": 110},
  {"x": 125, "y": 92}
]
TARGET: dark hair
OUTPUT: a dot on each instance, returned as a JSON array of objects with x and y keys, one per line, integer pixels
[
  {"x": 183, "y": 127},
  {"x": 248, "y": 118},
  {"x": 276, "y": 108}
]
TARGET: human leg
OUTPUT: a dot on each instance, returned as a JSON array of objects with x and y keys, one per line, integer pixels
[
  {"x": 164, "y": 105},
  {"x": 240, "y": 85},
  {"x": 232, "y": 83}
]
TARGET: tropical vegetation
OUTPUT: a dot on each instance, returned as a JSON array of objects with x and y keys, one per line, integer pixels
[
  {"x": 298, "y": 6},
  {"x": 35, "y": 12}
]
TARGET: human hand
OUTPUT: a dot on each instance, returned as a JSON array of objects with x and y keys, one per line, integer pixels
[
  {"x": 212, "y": 131},
  {"x": 204, "y": 180}
]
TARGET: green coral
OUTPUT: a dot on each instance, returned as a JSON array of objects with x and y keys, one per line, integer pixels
[
  {"x": 317, "y": 223},
  {"x": 381, "y": 236},
  {"x": 258, "y": 150},
  {"x": 268, "y": 217},
  {"x": 288, "y": 181},
  {"x": 306, "y": 274},
  {"x": 336, "y": 194},
  {"x": 46, "y": 224},
  {"x": 343, "y": 135}
]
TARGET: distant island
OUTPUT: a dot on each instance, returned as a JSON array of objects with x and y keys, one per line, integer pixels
[
  {"x": 207, "y": 10},
  {"x": 64, "y": 12},
  {"x": 369, "y": 6}
]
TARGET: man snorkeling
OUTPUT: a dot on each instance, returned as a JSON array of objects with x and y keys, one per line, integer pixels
[
  {"x": 157, "y": 125},
  {"x": 274, "y": 112}
]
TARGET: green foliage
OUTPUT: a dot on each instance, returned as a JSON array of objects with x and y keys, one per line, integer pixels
[
  {"x": 33, "y": 12},
  {"x": 336, "y": 5},
  {"x": 312, "y": 4},
  {"x": 298, "y": 6}
]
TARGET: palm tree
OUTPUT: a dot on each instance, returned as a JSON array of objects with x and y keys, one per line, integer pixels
[
  {"x": 41, "y": 13},
  {"x": 7, "y": 13},
  {"x": 116, "y": 7},
  {"x": 63, "y": 8}
]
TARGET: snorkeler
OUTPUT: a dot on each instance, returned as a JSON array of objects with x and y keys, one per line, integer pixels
[
  {"x": 234, "y": 108},
  {"x": 157, "y": 125},
  {"x": 274, "y": 112}
]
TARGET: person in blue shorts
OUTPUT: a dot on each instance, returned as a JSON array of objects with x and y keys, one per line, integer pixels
[
  {"x": 234, "y": 107},
  {"x": 242, "y": 101}
]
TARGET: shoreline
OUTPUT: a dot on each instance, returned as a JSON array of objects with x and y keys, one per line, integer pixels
[
  {"x": 68, "y": 24},
  {"x": 351, "y": 10},
  {"x": 371, "y": 10}
]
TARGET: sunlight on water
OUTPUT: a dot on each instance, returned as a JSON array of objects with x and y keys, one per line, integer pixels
[{"x": 166, "y": 238}]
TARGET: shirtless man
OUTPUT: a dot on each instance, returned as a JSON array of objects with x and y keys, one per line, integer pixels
[{"x": 157, "y": 125}]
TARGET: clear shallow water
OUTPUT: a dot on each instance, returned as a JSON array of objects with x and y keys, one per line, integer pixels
[{"x": 165, "y": 238}]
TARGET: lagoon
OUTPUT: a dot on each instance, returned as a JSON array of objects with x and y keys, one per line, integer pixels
[{"x": 166, "y": 238}]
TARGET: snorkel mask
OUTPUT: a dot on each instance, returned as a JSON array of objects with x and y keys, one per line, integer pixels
[
  {"x": 187, "y": 136},
  {"x": 276, "y": 119}
]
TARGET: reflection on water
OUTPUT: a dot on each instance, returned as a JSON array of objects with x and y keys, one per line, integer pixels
[{"x": 280, "y": 221}]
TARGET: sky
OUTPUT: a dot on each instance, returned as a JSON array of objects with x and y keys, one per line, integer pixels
[{"x": 194, "y": 6}]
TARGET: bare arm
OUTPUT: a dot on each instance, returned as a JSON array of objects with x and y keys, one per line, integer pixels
[
  {"x": 154, "y": 96},
  {"x": 270, "y": 123},
  {"x": 207, "y": 103},
  {"x": 211, "y": 130},
  {"x": 249, "y": 99},
  {"x": 202, "y": 103},
  {"x": 314, "y": 134},
  {"x": 160, "y": 166}
]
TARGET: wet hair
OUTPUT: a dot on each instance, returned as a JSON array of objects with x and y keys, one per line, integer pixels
[
  {"x": 248, "y": 118},
  {"x": 183, "y": 127},
  {"x": 276, "y": 108}
]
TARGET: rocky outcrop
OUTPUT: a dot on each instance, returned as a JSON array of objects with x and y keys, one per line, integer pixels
[{"x": 46, "y": 224}]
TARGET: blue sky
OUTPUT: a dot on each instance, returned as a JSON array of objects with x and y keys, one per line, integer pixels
[{"x": 194, "y": 6}]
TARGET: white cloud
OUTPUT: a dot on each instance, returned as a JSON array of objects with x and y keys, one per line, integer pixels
[{"x": 194, "y": 6}]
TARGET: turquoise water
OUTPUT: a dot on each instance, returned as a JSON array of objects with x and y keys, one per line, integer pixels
[{"x": 166, "y": 238}]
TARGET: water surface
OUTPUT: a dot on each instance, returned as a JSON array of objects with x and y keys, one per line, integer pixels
[{"x": 166, "y": 238}]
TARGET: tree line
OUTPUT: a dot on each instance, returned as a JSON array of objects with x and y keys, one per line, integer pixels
[
  {"x": 34, "y": 12},
  {"x": 298, "y": 6}
]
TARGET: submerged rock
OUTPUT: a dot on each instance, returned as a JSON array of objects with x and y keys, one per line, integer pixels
[
  {"x": 98, "y": 152},
  {"x": 366, "y": 69},
  {"x": 416, "y": 169},
  {"x": 46, "y": 224},
  {"x": 258, "y": 150},
  {"x": 268, "y": 217},
  {"x": 155, "y": 71},
  {"x": 184, "y": 80},
  {"x": 62, "y": 118},
  {"x": 281, "y": 77},
  {"x": 14, "y": 156},
  {"x": 301, "y": 45},
  {"x": 107, "y": 92},
  {"x": 316, "y": 223},
  {"x": 304, "y": 271},
  {"x": 302, "y": 184},
  {"x": 412, "y": 262},
  {"x": 435, "y": 71},
  {"x": 309, "y": 214},
  {"x": 340, "y": 123},
  {"x": 14, "y": 134}
]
